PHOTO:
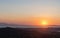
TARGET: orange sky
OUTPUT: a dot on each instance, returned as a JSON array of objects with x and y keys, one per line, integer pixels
[
  {"x": 30, "y": 12},
  {"x": 32, "y": 20}
]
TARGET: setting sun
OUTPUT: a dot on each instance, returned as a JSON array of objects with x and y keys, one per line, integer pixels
[{"x": 44, "y": 22}]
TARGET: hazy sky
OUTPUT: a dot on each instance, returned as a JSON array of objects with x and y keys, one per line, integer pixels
[{"x": 29, "y": 11}]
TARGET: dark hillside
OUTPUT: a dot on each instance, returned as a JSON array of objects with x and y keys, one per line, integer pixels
[{"x": 26, "y": 33}]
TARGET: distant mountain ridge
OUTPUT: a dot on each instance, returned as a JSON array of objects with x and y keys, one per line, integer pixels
[
  {"x": 17, "y": 26},
  {"x": 25, "y": 26}
]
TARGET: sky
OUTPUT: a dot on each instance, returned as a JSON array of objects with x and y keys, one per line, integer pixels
[{"x": 30, "y": 12}]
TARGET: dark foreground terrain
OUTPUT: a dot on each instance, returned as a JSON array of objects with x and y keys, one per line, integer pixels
[{"x": 27, "y": 33}]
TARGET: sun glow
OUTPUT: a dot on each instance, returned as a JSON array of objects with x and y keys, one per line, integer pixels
[{"x": 44, "y": 23}]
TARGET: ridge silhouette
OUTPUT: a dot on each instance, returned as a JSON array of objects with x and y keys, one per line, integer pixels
[{"x": 25, "y": 33}]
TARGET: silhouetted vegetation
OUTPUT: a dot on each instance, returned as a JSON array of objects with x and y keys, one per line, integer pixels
[{"x": 26, "y": 33}]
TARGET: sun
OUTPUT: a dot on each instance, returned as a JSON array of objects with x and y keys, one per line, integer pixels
[{"x": 44, "y": 22}]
